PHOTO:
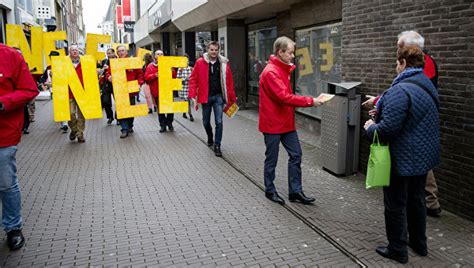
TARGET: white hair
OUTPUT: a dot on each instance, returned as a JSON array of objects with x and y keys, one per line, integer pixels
[
  {"x": 411, "y": 38},
  {"x": 158, "y": 51}
]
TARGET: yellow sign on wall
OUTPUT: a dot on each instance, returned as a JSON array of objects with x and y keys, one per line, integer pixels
[{"x": 304, "y": 60}]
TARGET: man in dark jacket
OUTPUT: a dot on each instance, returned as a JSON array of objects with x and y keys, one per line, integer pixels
[{"x": 17, "y": 87}]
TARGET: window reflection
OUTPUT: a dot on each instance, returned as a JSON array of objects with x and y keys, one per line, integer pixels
[{"x": 260, "y": 47}]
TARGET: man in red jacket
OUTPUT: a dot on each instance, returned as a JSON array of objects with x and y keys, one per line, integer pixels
[
  {"x": 277, "y": 120},
  {"x": 17, "y": 87},
  {"x": 77, "y": 122},
  {"x": 211, "y": 82},
  {"x": 132, "y": 74}
]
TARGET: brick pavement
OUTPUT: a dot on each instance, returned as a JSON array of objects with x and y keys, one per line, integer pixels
[
  {"x": 344, "y": 210},
  {"x": 149, "y": 200}
]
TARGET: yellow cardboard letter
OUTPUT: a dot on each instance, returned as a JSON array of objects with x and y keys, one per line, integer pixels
[
  {"x": 141, "y": 52},
  {"x": 122, "y": 87},
  {"x": 92, "y": 45},
  {"x": 65, "y": 77},
  {"x": 48, "y": 44},
  {"x": 328, "y": 56},
  {"x": 304, "y": 60},
  {"x": 167, "y": 85},
  {"x": 34, "y": 55}
]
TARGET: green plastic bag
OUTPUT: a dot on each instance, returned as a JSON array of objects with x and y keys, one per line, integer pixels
[{"x": 378, "y": 167}]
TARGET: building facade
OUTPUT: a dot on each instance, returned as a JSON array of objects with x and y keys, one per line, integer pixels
[{"x": 342, "y": 40}]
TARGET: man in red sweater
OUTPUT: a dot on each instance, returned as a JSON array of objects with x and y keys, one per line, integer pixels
[
  {"x": 77, "y": 122},
  {"x": 17, "y": 87},
  {"x": 277, "y": 120}
]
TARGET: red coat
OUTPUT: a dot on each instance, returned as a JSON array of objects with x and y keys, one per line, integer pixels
[
  {"x": 199, "y": 80},
  {"x": 17, "y": 87},
  {"x": 152, "y": 79},
  {"x": 277, "y": 101},
  {"x": 132, "y": 74}
]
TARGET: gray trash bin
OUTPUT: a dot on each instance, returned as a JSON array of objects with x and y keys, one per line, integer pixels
[{"x": 340, "y": 127}]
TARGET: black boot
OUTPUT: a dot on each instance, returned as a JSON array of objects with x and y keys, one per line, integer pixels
[{"x": 217, "y": 150}]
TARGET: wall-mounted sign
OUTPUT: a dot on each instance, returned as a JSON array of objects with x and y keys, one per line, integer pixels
[{"x": 129, "y": 26}]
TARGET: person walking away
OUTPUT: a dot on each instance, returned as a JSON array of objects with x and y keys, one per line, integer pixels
[
  {"x": 17, "y": 87},
  {"x": 277, "y": 120},
  {"x": 211, "y": 84},
  {"x": 184, "y": 74}
]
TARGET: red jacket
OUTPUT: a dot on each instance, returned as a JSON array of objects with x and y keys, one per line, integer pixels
[
  {"x": 199, "y": 80},
  {"x": 132, "y": 74},
  {"x": 152, "y": 79},
  {"x": 277, "y": 101},
  {"x": 17, "y": 87}
]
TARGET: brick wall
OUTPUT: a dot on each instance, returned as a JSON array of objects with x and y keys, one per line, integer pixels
[{"x": 370, "y": 30}]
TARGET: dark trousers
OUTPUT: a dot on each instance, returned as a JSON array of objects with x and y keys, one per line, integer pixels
[
  {"x": 215, "y": 103},
  {"x": 26, "y": 118},
  {"x": 107, "y": 103},
  {"x": 405, "y": 212},
  {"x": 292, "y": 145},
  {"x": 166, "y": 120},
  {"x": 127, "y": 123}
]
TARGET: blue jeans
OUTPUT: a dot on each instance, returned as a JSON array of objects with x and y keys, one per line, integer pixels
[
  {"x": 9, "y": 189},
  {"x": 292, "y": 145},
  {"x": 217, "y": 103},
  {"x": 127, "y": 123}
]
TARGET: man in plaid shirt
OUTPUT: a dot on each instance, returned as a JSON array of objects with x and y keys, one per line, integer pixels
[{"x": 184, "y": 74}]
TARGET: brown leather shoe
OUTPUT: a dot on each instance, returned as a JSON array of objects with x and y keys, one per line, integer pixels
[{"x": 81, "y": 139}]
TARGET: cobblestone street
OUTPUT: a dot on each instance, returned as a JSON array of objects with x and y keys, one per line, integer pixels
[{"x": 165, "y": 200}]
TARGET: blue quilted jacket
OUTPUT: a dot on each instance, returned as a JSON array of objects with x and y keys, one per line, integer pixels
[{"x": 408, "y": 120}]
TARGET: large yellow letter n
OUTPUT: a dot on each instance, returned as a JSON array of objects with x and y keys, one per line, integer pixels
[
  {"x": 64, "y": 77},
  {"x": 123, "y": 88},
  {"x": 167, "y": 85}
]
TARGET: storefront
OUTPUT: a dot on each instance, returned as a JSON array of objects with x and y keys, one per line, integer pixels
[
  {"x": 318, "y": 60},
  {"x": 260, "y": 39}
]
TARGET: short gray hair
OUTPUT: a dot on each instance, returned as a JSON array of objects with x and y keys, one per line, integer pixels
[
  {"x": 157, "y": 51},
  {"x": 124, "y": 46},
  {"x": 411, "y": 38},
  {"x": 282, "y": 43}
]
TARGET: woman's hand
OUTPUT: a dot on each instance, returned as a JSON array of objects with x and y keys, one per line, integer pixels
[{"x": 368, "y": 123}]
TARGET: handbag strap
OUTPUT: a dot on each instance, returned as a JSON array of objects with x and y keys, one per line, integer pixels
[
  {"x": 376, "y": 137},
  {"x": 420, "y": 85}
]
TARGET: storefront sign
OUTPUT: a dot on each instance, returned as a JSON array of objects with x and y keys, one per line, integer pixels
[{"x": 129, "y": 26}]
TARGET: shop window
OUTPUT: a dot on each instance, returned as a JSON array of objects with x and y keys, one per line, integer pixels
[
  {"x": 318, "y": 60},
  {"x": 260, "y": 47}
]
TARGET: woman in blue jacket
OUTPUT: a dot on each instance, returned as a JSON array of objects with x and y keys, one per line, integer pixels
[{"x": 407, "y": 119}]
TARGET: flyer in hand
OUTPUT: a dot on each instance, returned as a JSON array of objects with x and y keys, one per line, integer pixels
[
  {"x": 324, "y": 97},
  {"x": 231, "y": 109}
]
